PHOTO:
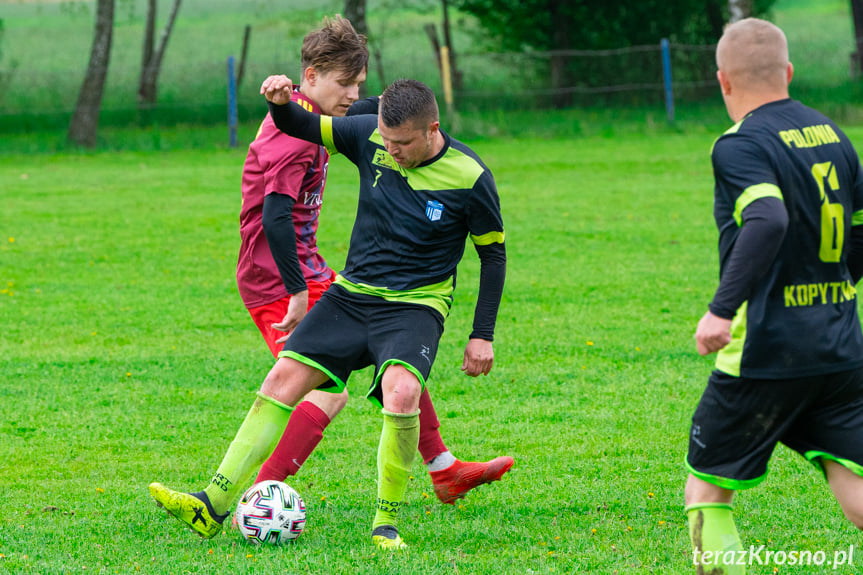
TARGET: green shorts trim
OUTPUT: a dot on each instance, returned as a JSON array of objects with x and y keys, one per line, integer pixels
[
  {"x": 725, "y": 482},
  {"x": 335, "y": 385},
  {"x": 815, "y": 457},
  {"x": 375, "y": 393}
]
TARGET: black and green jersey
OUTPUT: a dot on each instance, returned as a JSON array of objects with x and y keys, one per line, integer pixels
[
  {"x": 411, "y": 224},
  {"x": 800, "y": 317}
]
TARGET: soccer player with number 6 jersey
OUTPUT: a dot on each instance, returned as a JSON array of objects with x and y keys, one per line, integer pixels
[{"x": 789, "y": 209}]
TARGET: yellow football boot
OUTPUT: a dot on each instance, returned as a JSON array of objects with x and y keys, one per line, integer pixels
[
  {"x": 192, "y": 509},
  {"x": 386, "y": 537}
]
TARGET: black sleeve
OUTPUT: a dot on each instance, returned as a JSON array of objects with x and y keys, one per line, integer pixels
[
  {"x": 366, "y": 106},
  {"x": 340, "y": 135},
  {"x": 764, "y": 224},
  {"x": 492, "y": 273},
  {"x": 855, "y": 254},
  {"x": 282, "y": 239},
  {"x": 293, "y": 120}
]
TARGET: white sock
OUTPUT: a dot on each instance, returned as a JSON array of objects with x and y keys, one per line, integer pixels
[{"x": 442, "y": 461}]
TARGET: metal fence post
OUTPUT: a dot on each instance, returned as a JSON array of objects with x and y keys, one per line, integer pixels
[
  {"x": 666, "y": 74},
  {"x": 232, "y": 104}
]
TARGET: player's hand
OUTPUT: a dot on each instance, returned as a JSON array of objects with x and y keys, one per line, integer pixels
[
  {"x": 297, "y": 308},
  {"x": 478, "y": 357},
  {"x": 277, "y": 89},
  {"x": 713, "y": 333}
]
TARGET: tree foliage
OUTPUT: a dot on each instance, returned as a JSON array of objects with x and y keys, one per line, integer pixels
[{"x": 599, "y": 24}]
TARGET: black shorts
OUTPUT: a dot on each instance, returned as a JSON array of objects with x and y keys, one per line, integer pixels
[
  {"x": 346, "y": 331},
  {"x": 739, "y": 421}
]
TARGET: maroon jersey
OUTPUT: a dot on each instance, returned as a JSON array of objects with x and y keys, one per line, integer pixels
[{"x": 279, "y": 164}]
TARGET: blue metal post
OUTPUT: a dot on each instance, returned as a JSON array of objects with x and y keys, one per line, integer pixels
[
  {"x": 666, "y": 74},
  {"x": 232, "y": 103}
]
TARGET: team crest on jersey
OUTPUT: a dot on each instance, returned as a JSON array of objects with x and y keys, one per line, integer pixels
[
  {"x": 383, "y": 159},
  {"x": 434, "y": 210}
]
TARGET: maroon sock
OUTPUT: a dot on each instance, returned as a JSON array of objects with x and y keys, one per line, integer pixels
[
  {"x": 431, "y": 444},
  {"x": 304, "y": 431}
]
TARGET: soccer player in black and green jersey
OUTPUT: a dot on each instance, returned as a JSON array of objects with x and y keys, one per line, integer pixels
[
  {"x": 422, "y": 194},
  {"x": 789, "y": 208}
]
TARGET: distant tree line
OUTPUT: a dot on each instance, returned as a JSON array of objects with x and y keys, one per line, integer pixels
[
  {"x": 558, "y": 25},
  {"x": 552, "y": 26}
]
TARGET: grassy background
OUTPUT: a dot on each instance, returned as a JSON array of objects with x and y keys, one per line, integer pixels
[{"x": 127, "y": 357}]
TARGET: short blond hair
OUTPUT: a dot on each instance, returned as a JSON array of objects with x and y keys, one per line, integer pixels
[{"x": 754, "y": 52}]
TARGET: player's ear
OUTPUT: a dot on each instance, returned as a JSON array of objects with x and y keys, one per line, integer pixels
[
  {"x": 310, "y": 75},
  {"x": 790, "y": 71},
  {"x": 724, "y": 84}
]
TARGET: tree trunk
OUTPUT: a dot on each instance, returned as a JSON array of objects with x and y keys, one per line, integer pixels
[
  {"x": 714, "y": 16},
  {"x": 149, "y": 34},
  {"x": 241, "y": 71},
  {"x": 447, "y": 38},
  {"x": 560, "y": 39},
  {"x": 150, "y": 68},
  {"x": 379, "y": 61},
  {"x": 857, "y": 57},
  {"x": 431, "y": 32},
  {"x": 355, "y": 12},
  {"x": 85, "y": 120},
  {"x": 739, "y": 9}
]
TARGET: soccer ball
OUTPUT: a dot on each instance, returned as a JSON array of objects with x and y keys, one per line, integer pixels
[{"x": 271, "y": 512}]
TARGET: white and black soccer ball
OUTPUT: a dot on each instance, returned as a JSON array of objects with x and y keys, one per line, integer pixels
[{"x": 271, "y": 512}]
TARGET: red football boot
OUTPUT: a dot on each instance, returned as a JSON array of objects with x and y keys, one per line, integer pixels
[{"x": 456, "y": 480}]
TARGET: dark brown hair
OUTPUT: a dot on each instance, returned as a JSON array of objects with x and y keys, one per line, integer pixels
[
  {"x": 408, "y": 101},
  {"x": 335, "y": 47}
]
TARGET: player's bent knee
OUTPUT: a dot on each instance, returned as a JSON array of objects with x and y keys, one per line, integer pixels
[
  {"x": 855, "y": 516},
  {"x": 329, "y": 403},
  {"x": 401, "y": 390},
  {"x": 289, "y": 380},
  {"x": 847, "y": 487},
  {"x": 699, "y": 491},
  {"x": 853, "y": 511}
]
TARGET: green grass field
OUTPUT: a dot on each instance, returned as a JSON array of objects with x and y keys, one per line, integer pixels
[{"x": 127, "y": 357}]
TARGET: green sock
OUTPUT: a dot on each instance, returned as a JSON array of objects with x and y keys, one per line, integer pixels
[
  {"x": 399, "y": 440},
  {"x": 716, "y": 544},
  {"x": 254, "y": 442}
]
